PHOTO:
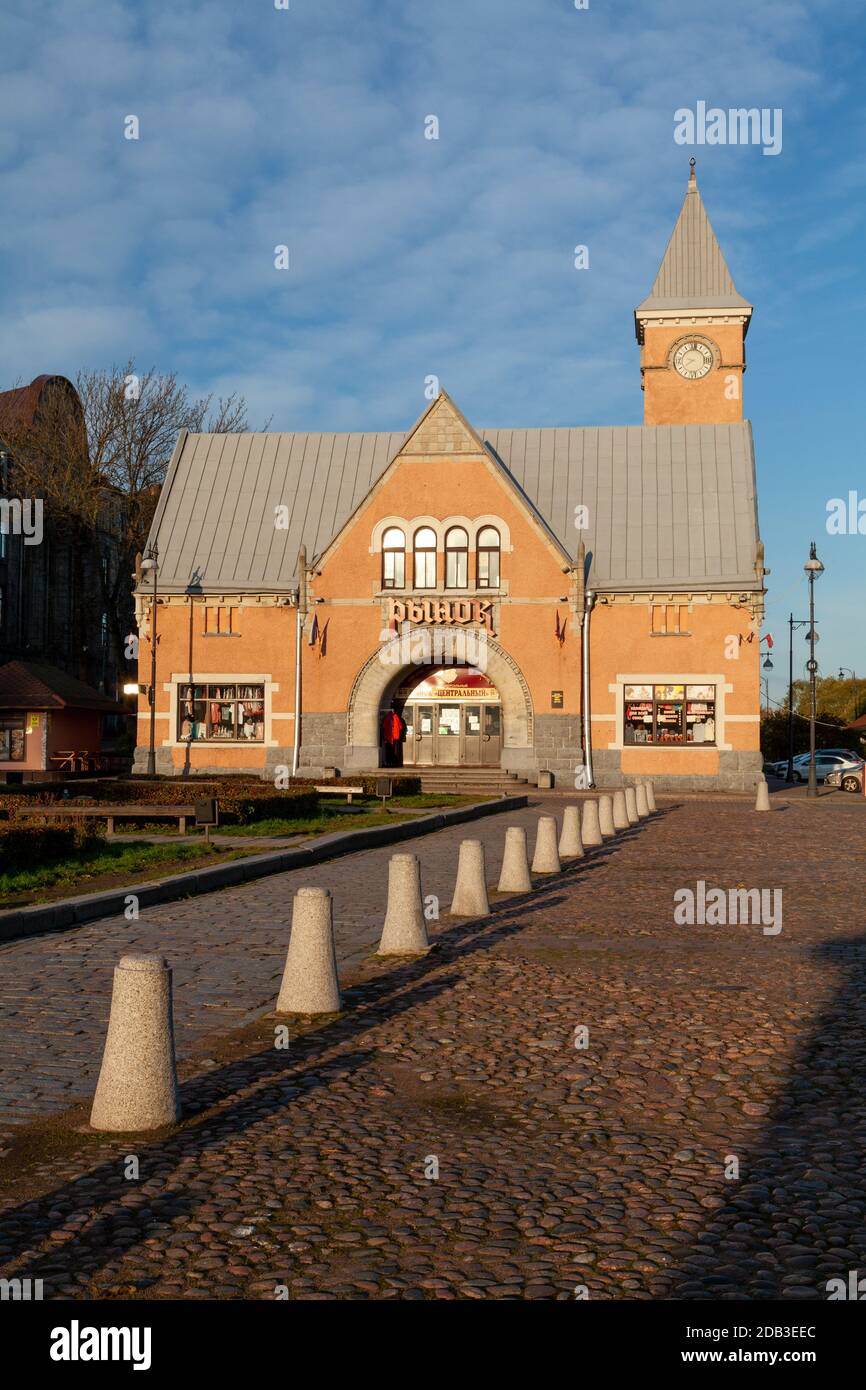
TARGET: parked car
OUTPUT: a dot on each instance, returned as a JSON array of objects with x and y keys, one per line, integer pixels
[
  {"x": 827, "y": 761},
  {"x": 849, "y": 779}
]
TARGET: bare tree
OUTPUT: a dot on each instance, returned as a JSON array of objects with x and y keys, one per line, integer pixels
[{"x": 99, "y": 466}]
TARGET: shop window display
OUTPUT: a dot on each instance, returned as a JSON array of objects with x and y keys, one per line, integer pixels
[
  {"x": 221, "y": 713},
  {"x": 669, "y": 714}
]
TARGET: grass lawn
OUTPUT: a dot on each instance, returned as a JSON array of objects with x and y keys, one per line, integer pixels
[
  {"x": 104, "y": 866},
  {"x": 359, "y": 816},
  {"x": 125, "y": 862},
  {"x": 325, "y": 824},
  {"x": 340, "y": 815}
]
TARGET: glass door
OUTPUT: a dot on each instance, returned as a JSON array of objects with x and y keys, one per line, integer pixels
[
  {"x": 491, "y": 742},
  {"x": 448, "y": 734},
  {"x": 425, "y": 736},
  {"x": 472, "y": 735}
]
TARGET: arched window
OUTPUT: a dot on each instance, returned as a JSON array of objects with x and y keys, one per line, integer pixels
[
  {"x": 425, "y": 558},
  {"x": 456, "y": 558},
  {"x": 393, "y": 559},
  {"x": 488, "y": 558}
]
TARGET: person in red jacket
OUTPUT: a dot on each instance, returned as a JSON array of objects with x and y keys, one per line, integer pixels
[{"x": 393, "y": 729}]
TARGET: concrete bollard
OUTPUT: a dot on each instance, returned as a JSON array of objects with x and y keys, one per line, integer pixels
[
  {"x": 641, "y": 801},
  {"x": 546, "y": 857},
  {"x": 515, "y": 877},
  {"x": 605, "y": 817},
  {"x": 310, "y": 984},
  {"x": 631, "y": 806},
  {"x": 651, "y": 798},
  {"x": 570, "y": 843},
  {"x": 405, "y": 930},
  {"x": 620, "y": 815},
  {"x": 590, "y": 831},
  {"x": 470, "y": 890},
  {"x": 137, "y": 1087},
  {"x": 762, "y": 800}
]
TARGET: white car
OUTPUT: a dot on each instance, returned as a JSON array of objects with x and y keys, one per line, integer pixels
[{"x": 827, "y": 760}]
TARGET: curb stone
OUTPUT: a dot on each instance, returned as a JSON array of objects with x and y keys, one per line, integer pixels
[{"x": 17, "y": 923}]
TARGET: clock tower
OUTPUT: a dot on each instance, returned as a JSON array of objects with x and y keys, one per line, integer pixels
[{"x": 692, "y": 328}]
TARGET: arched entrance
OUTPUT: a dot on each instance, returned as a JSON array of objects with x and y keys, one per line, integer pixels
[
  {"x": 387, "y": 672},
  {"x": 452, "y": 717}
]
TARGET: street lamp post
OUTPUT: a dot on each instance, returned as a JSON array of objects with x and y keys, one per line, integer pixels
[
  {"x": 792, "y": 623},
  {"x": 149, "y": 566},
  {"x": 814, "y": 570}
]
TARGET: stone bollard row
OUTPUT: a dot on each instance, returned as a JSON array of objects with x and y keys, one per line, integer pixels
[{"x": 137, "y": 1086}]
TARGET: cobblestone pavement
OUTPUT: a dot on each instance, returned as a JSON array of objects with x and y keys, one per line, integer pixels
[
  {"x": 445, "y": 1138},
  {"x": 227, "y": 950}
]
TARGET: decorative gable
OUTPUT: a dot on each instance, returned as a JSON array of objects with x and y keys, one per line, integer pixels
[{"x": 442, "y": 430}]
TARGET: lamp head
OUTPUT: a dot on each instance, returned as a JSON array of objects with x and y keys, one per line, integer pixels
[{"x": 813, "y": 566}]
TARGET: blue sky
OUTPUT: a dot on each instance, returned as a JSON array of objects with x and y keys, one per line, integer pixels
[{"x": 411, "y": 257}]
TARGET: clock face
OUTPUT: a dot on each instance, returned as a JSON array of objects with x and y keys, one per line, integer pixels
[{"x": 693, "y": 359}]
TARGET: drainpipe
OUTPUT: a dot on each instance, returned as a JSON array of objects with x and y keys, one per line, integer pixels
[
  {"x": 299, "y": 628},
  {"x": 300, "y": 614},
  {"x": 587, "y": 711}
]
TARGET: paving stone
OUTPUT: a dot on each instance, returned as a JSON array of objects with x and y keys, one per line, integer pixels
[{"x": 558, "y": 1166}]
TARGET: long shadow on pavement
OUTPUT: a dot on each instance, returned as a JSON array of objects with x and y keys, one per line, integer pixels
[{"x": 257, "y": 1086}]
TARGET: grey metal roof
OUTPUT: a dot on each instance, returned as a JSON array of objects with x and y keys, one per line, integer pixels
[
  {"x": 693, "y": 273},
  {"x": 669, "y": 505}
]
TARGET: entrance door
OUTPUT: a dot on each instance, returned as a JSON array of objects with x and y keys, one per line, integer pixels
[
  {"x": 472, "y": 735},
  {"x": 425, "y": 736},
  {"x": 448, "y": 734},
  {"x": 491, "y": 741}
]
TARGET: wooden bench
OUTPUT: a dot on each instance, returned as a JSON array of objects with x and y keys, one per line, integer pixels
[
  {"x": 111, "y": 813},
  {"x": 339, "y": 791}
]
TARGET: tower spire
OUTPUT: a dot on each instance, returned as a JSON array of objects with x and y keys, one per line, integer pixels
[
  {"x": 693, "y": 273},
  {"x": 692, "y": 325}
]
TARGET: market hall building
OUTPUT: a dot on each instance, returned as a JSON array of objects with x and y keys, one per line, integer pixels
[{"x": 582, "y": 601}]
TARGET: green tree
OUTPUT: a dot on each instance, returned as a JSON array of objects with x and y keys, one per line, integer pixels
[{"x": 845, "y": 699}]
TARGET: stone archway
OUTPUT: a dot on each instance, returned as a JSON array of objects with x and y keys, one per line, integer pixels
[{"x": 380, "y": 676}]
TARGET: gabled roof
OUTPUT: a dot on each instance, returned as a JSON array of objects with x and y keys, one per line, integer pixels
[
  {"x": 669, "y": 505},
  {"x": 693, "y": 273},
  {"x": 443, "y": 429},
  {"x": 29, "y": 685}
]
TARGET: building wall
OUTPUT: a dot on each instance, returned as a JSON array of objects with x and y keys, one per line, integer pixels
[
  {"x": 670, "y": 398},
  {"x": 714, "y": 648},
  {"x": 51, "y": 732},
  {"x": 260, "y": 650},
  {"x": 351, "y": 667}
]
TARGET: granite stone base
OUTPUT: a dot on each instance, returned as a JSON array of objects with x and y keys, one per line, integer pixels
[
  {"x": 738, "y": 772},
  {"x": 323, "y": 742}
]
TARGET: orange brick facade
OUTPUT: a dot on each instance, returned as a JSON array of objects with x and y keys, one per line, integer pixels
[{"x": 674, "y": 667}]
